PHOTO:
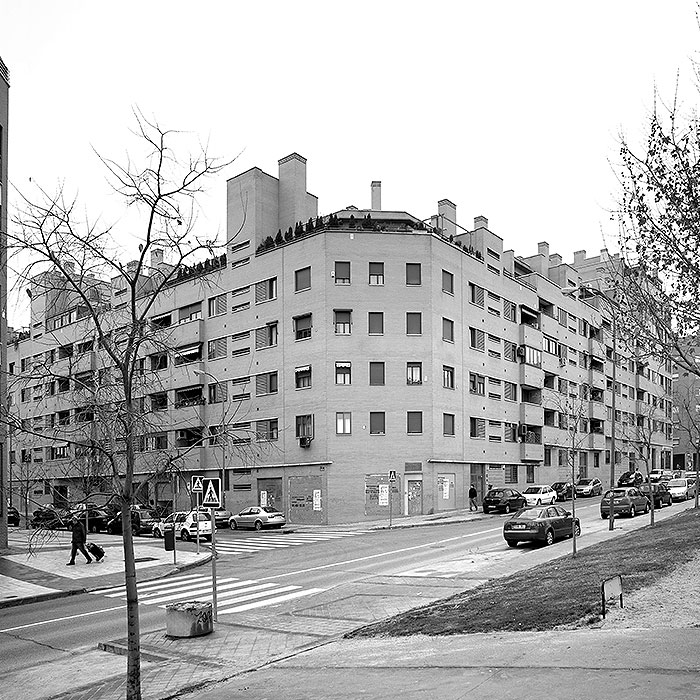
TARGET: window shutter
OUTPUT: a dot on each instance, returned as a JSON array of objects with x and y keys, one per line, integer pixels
[
  {"x": 261, "y": 337},
  {"x": 261, "y": 384},
  {"x": 260, "y": 292}
]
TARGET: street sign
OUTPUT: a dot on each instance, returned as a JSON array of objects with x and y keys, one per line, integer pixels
[
  {"x": 197, "y": 485},
  {"x": 392, "y": 475},
  {"x": 212, "y": 493}
]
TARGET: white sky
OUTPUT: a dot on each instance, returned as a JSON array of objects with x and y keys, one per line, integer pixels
[{"x": 511, "y": 109}]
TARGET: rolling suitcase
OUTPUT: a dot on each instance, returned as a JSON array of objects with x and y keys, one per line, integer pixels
[{"x": 95, "y": 550}]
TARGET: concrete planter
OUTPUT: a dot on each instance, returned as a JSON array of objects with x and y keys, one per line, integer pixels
[{"x": 191, "y": 619}]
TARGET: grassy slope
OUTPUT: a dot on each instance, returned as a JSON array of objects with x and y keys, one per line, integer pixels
[{"x": 559, "y": 592}]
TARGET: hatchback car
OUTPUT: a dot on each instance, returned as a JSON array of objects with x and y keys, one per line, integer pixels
[
  {"x": 679, "y": 489},
  {"x": 12, "y": 515},
  {"x": 185, "y": 525},
  {"x": 662, "y": 496},
  {"x": 506, "y": 500},
  {"x": 564, "y": 490},
  {"x": 627, "y": 500},
  {"x": 257, "y": 517},
  {"x": 221, "y": 516},
  {"x": 589, "y": 487},
  {"x": 540, "y": 525},
  {"x": 631, "y": 478},
  {"x": 539, "y": 495}
]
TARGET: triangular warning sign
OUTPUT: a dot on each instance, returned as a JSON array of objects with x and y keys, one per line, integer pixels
[
  {"x": 197, "y": 483},
  {"x": 211, "y": 497}
]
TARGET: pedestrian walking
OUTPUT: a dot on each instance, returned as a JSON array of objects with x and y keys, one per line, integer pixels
[
  {"x": 78, "y": 539},
  {"x": 472, "y": 499}
]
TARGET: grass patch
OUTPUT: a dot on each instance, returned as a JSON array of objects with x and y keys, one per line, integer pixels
[{"x": 560, "y": 592}]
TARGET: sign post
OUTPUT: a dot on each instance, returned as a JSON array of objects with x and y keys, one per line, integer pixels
[
  {"x": 392, "y": 481},
  {"x": 197, "y": 488},
  {"x": 212, "y": 499}
]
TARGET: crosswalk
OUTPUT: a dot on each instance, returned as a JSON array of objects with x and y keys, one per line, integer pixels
[
  {"x": 233, "y": 595},
  {"x": 268, "y": 541}
]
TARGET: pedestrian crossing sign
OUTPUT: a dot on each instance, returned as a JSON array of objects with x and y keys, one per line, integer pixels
[
  {"x": 392, "y": 475},
  {"x": 197, "y": 486},
  {"x": 212, "y": 493}
]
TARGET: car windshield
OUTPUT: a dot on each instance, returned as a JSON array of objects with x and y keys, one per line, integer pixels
[
  {"x": 495, "y": 492},
  {"x": 584, "y": 482},
  {"x": 533, "y": 489},
  {"x": 558, "y": 485},
  {"x": 677, "y": 482},
  {"x": 530, "y": 514},
  {"x": 617, "y": 493},
  {"x": 202, "y": 517},
  {"x": 269, "y": 509}
]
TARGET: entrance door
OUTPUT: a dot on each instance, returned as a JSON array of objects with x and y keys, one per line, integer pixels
[
  {"x": 477, "y": 478},
  {"x": 306, "y": 500},
  {"x": 414, "y": 489},
  {"x": 270, "y": 493}
]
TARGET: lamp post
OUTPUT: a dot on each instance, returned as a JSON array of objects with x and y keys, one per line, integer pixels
[
  {"x": 570, "y": 291},
  {"x": 213, "y": 519}
]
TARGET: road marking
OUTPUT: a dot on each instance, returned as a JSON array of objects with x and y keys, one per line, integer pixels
[
  {"x": 60, "y": 619},
  {"x": 272, "y": 601}
]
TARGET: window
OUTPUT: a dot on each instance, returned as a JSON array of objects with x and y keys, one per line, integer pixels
[
  {"x": 510, "y": 391},
  {"x": 511, "y": 474},
  {"x": 162, "y": 321},
  {"x": 510, "y": 351},
  {"x": 476, "y": 339},
  {"x": 343, "y": 373},
  {"x": 476, "y": 384},
  {"x": 376, "y": 273},
  {"x": 533, "y": 356},
  {"x": 343, "y": 423},
  {"x": 267, "y": 429},
  {"x": 414, "y": 422},
  {"x": 304, "y": 426},
  {"x": 476, "y": 294},
  {"x": 217, "y": 305},
  {"x": 508, "y": 310},
  {"x": 63, "y": 384},
  {"x": 189, "y": 396},
  {"x": 190, "y": 313},
  {"x": 159, "y": 401},
  {"x": 494, "y": 389},
  {"x": 448, "y": 330},
  {"x": 25, "y": 394},
  {"x": 342, "y": 272},
  {"x": 375, "y": 322},
  {"x": 63, "y": 418},
  {"x": 188, "y": 353},
  {"x": 266, "y": 383},
  {"x": 414, "y": 373},
  {"x": 376, "y": 374},
  {"x": 547, "y": 457},
  {"x": 84, "y": 347},
  {"x": 477, "y": 428},
  {"x": 377, "y": 420},
  {"x": 217, "y": 349},
  {"x": 414, "y": 323},
  {"x": 448, "y": 282},
  {"x": 218, "y": 392},
  {"x": 84, "y": 415},
  {"x": 189, "y": 437},
  {"x": 64, "y": 352},
  {"x": 59, "y": 452},
  {"x": 159, "y": 361},
  {"x": 302, "y": 327},
  {"x": 448, "y": 377},
  {"x": 266, "y": 290},
  {"x": 266, "y": 336},
  {"x": 413, "y": 274},
  {"x": 38, "y": 453},
  {"x": 302, "y": 377},
  {"x": 530, "y": 473},
  {"x": 343, "y": 322},
  {"x": 302, "y": 279},
  {"x": 510, "y": 432},
  {"x": 550, "y": 345},
  {"x": 448, "y": 424}
]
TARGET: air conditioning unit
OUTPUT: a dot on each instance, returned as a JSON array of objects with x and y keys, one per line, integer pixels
[
  {"x": 520, "y": 352},
  {"x": 305, "y": 441},
  {"x": 522, "y": 430}
]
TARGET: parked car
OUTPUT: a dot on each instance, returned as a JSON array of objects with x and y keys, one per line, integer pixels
[
  {"x": 627, "y": 500},
  {"x": 631, "y": 478},
  {"x": 540, "y": 525},
  {"x": 49, "y": 518},
  {"x": 94, "y": 519},
  {"x": 12, "y": 516},
  {"x": 221, "y": 516},
  {"x": 680, "y": 490},
  {"x": 185, "y": 525},
  {"x": 503, "y": 499},
  {"x": 589, "y": 487},
  {"x": 539, "y": 495},
  {"x": 257, "y": 517},
  {"x": 564, "y": 490},
  {"x": 662, "y": 496},
  {"x": 655, "y": 475}
]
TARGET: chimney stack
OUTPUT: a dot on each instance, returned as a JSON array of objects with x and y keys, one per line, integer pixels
[
  {"x": 292, "y": 190},
  {"x": 543, "y": 249},
  {"x": 447, "y": 217},
  {"x": 376, "y": 195},
  {"x": 481, "y": 222}
]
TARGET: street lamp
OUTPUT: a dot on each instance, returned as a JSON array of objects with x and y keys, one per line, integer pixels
[{"x": 570, "y": 291}]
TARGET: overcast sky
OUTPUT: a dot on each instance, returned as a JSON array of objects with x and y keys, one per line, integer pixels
[{"x": 511, "y": 109}]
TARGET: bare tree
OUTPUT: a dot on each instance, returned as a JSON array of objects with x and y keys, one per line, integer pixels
[
  {"x": 73, "y": 267},
  {"x": 687, "y": 422}
]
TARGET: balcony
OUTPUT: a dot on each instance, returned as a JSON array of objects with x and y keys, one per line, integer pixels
[
  {"x": 596, "y": 441},
  {"x": 531, "y": 414},
  {"x": 190, "y": 331},
  {"x": 531, "y": 451},
  {"x": 531, "y": 335},
  {"x": 597, "y": 410},
  {"x": 531, "y": 376}
]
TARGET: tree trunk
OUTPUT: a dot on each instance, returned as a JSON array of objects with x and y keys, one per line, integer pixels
[{"x": 133, "y": 634}]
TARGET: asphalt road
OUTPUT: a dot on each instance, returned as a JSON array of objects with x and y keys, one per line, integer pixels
[{"x": 429, "y": 562}]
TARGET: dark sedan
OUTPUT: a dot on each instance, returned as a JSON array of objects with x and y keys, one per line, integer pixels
[
  {"x": 12, "y": 515},
  {"x": 540, "y": 525},
  {"x": 505, "y": 500},
  {"x": 662, "y": 496},
  {"x": 49, "y": 519},
  {"x": 94, "y": 519},
  {"x": 564, "y": 489}
]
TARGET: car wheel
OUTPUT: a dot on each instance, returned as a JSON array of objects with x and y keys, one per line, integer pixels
[
  {"x": 506, "y": 510},
  {"x": 646, "y": 509},
  {"x": 233, "y": 525},
  {"x": 486, "y": 510},
  {"x": 549, "y": 537},
  {"x": 633, "y": 512},
  {"x": 184, "y": 535},
  {"x": 604, "y": 516},
  {"x": 155, "y": 533},
  {"x": 511, "y": 543},
  {"x": 258, "y": 525}
]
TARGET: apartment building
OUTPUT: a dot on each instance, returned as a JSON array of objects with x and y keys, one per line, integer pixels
[
  {"x": 4, "y": 119},
  {"x": 362, "y": 360}
]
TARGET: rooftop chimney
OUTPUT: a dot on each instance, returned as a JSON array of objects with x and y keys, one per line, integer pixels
[
  {"x": 292, "y": 190},
  {"x": 447, "y": 217},
  {"x": 543, "y": 249},
  {"x": 481, "y": 222},
  {"x": 376, "y": 195}
]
